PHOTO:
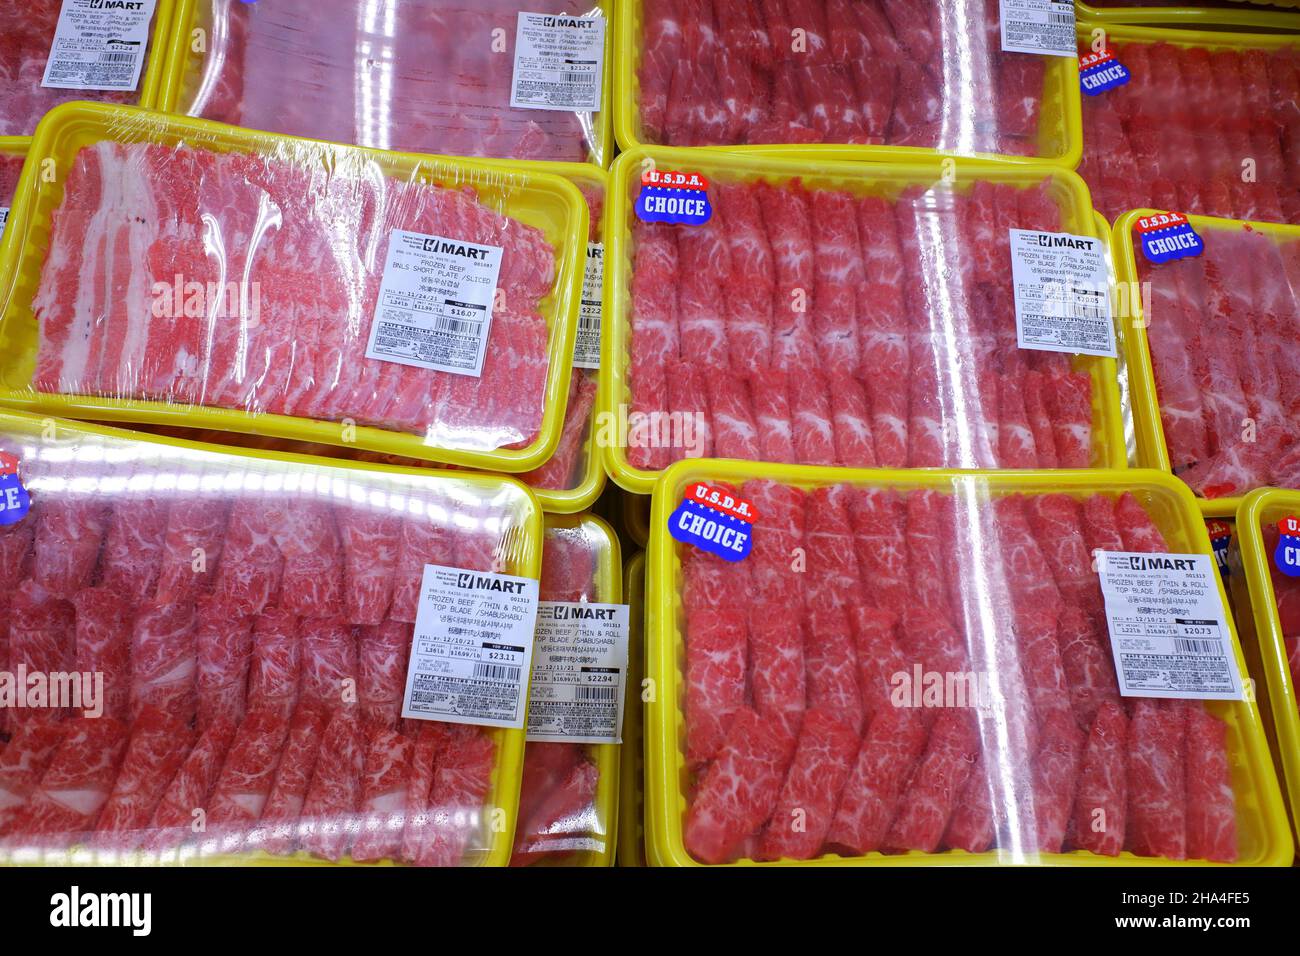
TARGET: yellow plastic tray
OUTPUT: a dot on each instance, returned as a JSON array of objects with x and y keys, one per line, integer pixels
[
  {"x": 19, "y": 151},
  {"x": 539, "y": 199},
  {"x": 1191, "y": 16},
  {"x": 182, "y": 69},
  {"x": 1267, "y": 652},
  {"x": 1207, "y": 39},
  {"x": 636, "y": 517},
  {"x": 525, "y": 557},
  {"x": 609, "y": 590},
  {"x": 1060, "y": 124},
  {"x": 1151, "y": 448},
  {"x": 631, "y": 815},
  {"x": 1263, "y": 835},
  {"x": 151, "y": 76},
  {"x": 1070, "y": 192}
]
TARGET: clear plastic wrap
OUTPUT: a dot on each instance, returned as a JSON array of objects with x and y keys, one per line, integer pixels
[
  {"x": 26, "y": 32},
  {"x": 568, "y": 800},
  {"x": 916, "y": 669},
  {"x": 181, "y": 272},
  {"x": 631, "y": 776},
  {"x": 836, "y": 314},
  {"x": 1215, "y": 354},
  {"x": 421, "y": 76},
  {"x": 1269, "y": 616},
  {"x": 1208, "y": 124},
  {"x": 882, "y": 77},
  {"x": 246, "y": 620}
]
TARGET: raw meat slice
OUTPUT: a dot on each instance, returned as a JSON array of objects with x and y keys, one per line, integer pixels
[
  {"x": 937, "y": 784},
  {"x": 1101, "y": 804},
  {"x": 329, "y": 663},
  {"x": 831, "y": 664},
  {"x": 76, "y": 784},
  {"x": 1211, "y": 807},
  {"x": 777, "y": 536},
  {"x": 890, "y": 749},
  {"x": 561, "y": 816},
  {"x": 806, "y": 807},
  {"x": 810, "y": 418},
  {"x": 183, "y": 807},
  {"x": 385, "y": 780},
  {"x": 381, "y": 672},
  {"x": 1140, "y": 532},
  {"x": 68, "y": 535},
  {"x": 1056, "y": 772},
  {"x": 248, "y": 580},
  {"x": 164, "y": 660},
  {"x": 426, "y": 539},
  {"x": 735, "y": 434},
  {"x": 23, "y": 761},
  {"x": 312, "y": 581},
  {"x": 223, "y": 648},
  {"x": 103, "y": 642},
  {"x": 879, "y": 657},
  {"x": 751, "y": 281},
  {"x": 279, "y": 822},
  {"x": 247, "y": 776},
  {"x": 196, "y": 530},
  {"x": 273, "y": 670},
  {"x": 739, "y": 789},
  {"x": 833, "y": 575},
  {"x": 329, "y": 810},
  {"x": 133, "y": 546},
  {"x": 1157, "y": 796},
  {"x": 777, "y": 676},
  {"x": 715, "y": 679},
  {"x": 157, "y": 747},
  {"x": 878, "y": 524},
  {"x": 455, "y": 813}
]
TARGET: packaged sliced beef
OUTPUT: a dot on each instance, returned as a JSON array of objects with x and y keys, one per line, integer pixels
[
  {"x": 1204, "y": 128},
  {"x": 861, "y": 73},
  {"x": 249, "y": 282},
  {"x": 244, "y": 623},
  {"x": 27, "y": 29},
  {"x": 924, "y": 667},
  {"x": 1224, "y": 346},
  {"x": 421, "y": 76},
  {"x": 1268, "y": 593},
  {"x": 569, "y": 790},
  {"x": 845, "y": 318}
]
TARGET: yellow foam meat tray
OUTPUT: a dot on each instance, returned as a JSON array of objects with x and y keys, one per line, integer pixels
[
  {"x": 631, "y": 814},
  {"x": 184, "y": 67},
  {"x": 1262, "y": 622},
  {"x": 543, "y": 200},
  {"x": 1060, "y": 123},
  {"x": 151, "y": 76},
  {"x": 1152, "y": 450},
  {"x": 524, "y": 559},
  {"x": 1068, "y": 190},
  {"x": 1263, "y": 835},
  {"x": 1191, "y": 16}
]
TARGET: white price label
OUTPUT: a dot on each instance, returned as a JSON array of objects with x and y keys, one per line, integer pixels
[
  {"x": 1039, "y": 26},
  {"x": 579, "y": 670},
  {"x": 4, "y": 217},
  {"x": 472, "y": 648},
  {"x": 1169, "y": 631},
  {"x": 586, "y": 348},
  {"x": 99, "y": 45},
  {"x": 435, "y": 303},
  {"x": 559, "y": 63},
  {"x": 1062, "y": 293}
]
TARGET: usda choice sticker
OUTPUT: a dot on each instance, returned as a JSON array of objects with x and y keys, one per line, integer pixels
[
  {"x": 1286, "y": 556},
  {"x": 678, "y": 198},
  {"x": 1168, "y": 628},
  {"x": 714, "y": 520},
  {"x": 579, "y": 672},
  {"x": 99, "y": 45},
  {"x": 472, "y": 648},
  {"x": 14, "y": 500},
  {"x": 1168, "y": 236},
  {"x": 1099, "y": 72}
]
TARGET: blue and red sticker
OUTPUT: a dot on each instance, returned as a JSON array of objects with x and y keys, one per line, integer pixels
[
  {"x": 678, "y": 198},
  {"x": 1099, "y": 72},
  {"x": 714, "y": 520},
  {"x": 1220, "y": 538},
  {"x": 1287, "y": 553},
  {"x": 14, "y": 500},
  {"x": 1168, "y": 236}
]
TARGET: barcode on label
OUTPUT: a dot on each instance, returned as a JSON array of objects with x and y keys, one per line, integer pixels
[
  {"x": 496, "y": 672},
  {"x": 460, "y": 326},
  {"x": 582, "y": 692},
  {"x": 1190, "y": 646},
  {"x": 116, "y": 57},
  {"x": 1064, "y": 19}
]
